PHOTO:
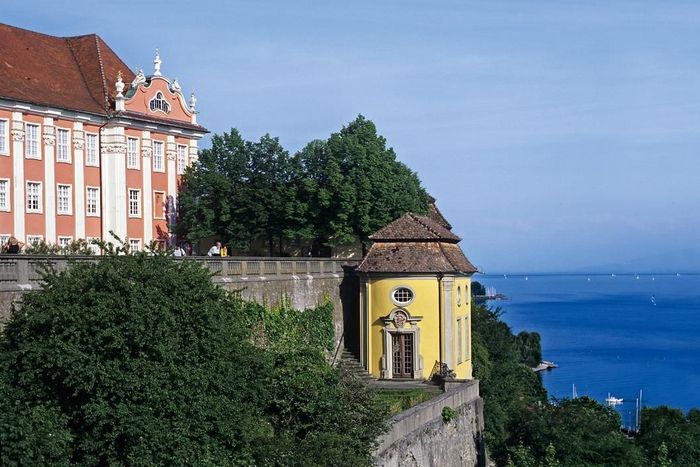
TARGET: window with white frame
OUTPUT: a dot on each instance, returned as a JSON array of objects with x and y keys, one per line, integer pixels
[
  {"x": 4, "y": 238},
  {"x": 132, "y": 153},
  {"x": 181, "y": 158},
  {"x": 158, "y": 162},
  {"x": 159, "y": 103},
  {"x": 91, "y": 156},
  {"x": 34, "y": 239},
  {"x": 64, "y": 242},
  {"x": 134, "y": 203},
  {"x": 402, "y": 295},
  {"x": 62, "y": 145},
  {"x": 4, "y": 126},
  {"x": 34, "y": 197},
  {"x": 64, "y": 199},
  {"x": 459, "y": 340},
  {"x": 4, "y": 194},
  {"x": 92, "y": 201},
  {"x": 31, "y": 141},
  {"x": 135, "y": 245}
]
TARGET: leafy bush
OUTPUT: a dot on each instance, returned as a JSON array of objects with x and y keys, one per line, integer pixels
[{"x": 448, "y": 414}]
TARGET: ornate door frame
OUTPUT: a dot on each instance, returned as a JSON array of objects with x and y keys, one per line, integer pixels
[{"x": 396, "y": 323}]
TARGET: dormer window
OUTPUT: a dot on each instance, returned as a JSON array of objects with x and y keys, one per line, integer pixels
[{"x": 159, "y": 103}]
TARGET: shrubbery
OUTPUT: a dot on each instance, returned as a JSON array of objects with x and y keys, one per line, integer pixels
[{"x": 141, "y": 360}]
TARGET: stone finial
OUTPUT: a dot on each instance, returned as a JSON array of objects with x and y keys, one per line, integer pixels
[
  {"x": 119, "y": 85},
  {"x": 193, "y": 102},
  {"x": 175, "y": 87},
  {"x": 156, "y": 64},
  {"x": 140, "y": 78}
]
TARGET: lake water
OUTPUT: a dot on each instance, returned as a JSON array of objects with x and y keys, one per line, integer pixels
[{"x": 612, "y": 335}]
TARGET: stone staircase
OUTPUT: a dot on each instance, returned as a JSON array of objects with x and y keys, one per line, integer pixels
[{"x": 353, "y": 365}]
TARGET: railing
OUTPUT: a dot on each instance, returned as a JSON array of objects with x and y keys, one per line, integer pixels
[{"x": 21, "y": 270}]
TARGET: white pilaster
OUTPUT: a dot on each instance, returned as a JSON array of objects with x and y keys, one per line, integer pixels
[
  {"x": 18, "y": 174},
  {"x": 146, "y": 151},
  {"x": 448, "y": 343},
  {"x": 113, "y": 163},
  {"x": 79, "y": 185},
  {"x": 194, "y": 155},
  {"x": 49, "y": 138},
  {"x": 172, "y": 182}
]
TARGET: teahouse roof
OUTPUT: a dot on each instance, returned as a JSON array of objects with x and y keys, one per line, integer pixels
[{"x": 415, "y": 244}]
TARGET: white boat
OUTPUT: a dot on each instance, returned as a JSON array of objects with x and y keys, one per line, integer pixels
[{"x": 612, "y": 400}]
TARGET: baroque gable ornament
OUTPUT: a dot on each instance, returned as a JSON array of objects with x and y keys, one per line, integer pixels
[
  {"x": 140, "y": 78},
  {"x": 400, "y": 319}
]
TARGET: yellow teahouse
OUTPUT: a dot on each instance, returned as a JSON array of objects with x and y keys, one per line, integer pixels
[{"x": 415, "y": 300}]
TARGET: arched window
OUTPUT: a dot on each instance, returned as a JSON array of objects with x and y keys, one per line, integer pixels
[
  {"x": 459, "y": 296},
  {"x": 159, "y": 103},
  {"x": 402, "y": 295}
]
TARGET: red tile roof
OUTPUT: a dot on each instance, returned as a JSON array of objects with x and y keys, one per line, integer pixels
[
  {"x": 412, "y": 227},
  {"x": 415, "y": 244},
  {"x": 73, "y": 73}
]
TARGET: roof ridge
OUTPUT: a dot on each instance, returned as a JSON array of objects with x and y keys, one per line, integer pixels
[
  {"x": 447, "y": 257},
  {"x": 102, "y": 73},
  {"x": 421, "y": 222},
  {"x": 67, "y": 41}
]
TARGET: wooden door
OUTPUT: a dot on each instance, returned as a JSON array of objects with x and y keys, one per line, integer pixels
[{"x": 402, "y": 347}]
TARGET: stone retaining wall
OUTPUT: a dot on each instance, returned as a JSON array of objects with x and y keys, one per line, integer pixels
[{"x": 420, "y": 437}]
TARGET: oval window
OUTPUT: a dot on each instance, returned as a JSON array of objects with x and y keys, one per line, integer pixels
[
  {"x": 459, "y": 296},
  {"x": 402, "y": 295}
]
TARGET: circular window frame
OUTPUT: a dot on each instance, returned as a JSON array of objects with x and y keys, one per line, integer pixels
[{"x": 398, "y": 303}]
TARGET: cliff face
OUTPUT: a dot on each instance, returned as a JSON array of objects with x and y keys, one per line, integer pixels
[{"x": 421, "y": 437}]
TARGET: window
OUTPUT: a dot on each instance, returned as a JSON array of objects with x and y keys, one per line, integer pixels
[
  {"x": 31, "y": 141},
  {"x": 64, "y": 242},
  {"x": 132, "y": 154},
  {"x": 3, "y": 137},
  {"x": 91, "y": 157},
  {"x": 4, "y": 194},
  {"x": 92, "y": 201},
  {"x": 64, "y": 199},
  {"x": 459, "y": 340},
  {"x": 159, "y": 103},
  {"x": 459, "y": 296},
  {"x": 4, "y": 238},
  {"x": 34, "y": 239},
  {"x": 62, "y": 145},
  {"x": 158, "y": 164},
  {"x": 34, "y": 197},
  {"x": 402, "y": 295},
  {"x": 159, "y": 204},
  {"x": 134, "y": 203},
  {"x": 135, "y": 245},
  {"x": 181, "y": 158},
  {"x": 467, "y": 332}
]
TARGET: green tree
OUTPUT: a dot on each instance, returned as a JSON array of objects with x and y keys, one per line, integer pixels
[{"x": 678, "y": 432}]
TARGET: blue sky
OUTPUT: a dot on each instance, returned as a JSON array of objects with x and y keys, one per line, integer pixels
[{"x": 558, "y": 135}]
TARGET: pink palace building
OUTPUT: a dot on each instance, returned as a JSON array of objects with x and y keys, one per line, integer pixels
[{"x": 87, "y": 146}]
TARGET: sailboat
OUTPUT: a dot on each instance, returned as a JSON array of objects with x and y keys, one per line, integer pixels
[{"x": 612, "y": 400}]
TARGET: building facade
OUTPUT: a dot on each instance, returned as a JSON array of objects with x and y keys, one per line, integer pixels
[
  {"x": 87, "y": 147},
  {"x": 415, "y": 301}
]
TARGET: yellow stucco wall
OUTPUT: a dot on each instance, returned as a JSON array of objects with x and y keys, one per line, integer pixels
[
  {"x": 461, "y": 319},
  {"x": 426, "y": 303}
]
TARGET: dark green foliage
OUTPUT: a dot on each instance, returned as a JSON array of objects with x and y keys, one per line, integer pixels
[
  {"x": 679, "y": 433},
  {"x": 141, "y": 360},
  {"x": 332, "y": 192},
  {"x": 448, "y": 414},
  {"x": 529, "y": 348},
  {"x": 478, "y": 289},
  {"x": 398, "y": 400}
]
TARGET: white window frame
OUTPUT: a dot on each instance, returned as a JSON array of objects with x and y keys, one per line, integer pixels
[
  {"x": 34, "y": 238},
  {"x": 27, "y": 142},
  {"x": 136, "y": 153},
  {"x": 128, "y": 197},
  {"x": 4, "y": 238},
  {"x": 181, "y": 159},
  {"x": 159, "y": 157},
  {"x": 4, "y": 137},
  {"x": 460, "y": 344},
  {"x": 40, "y": 210},
  {"x": 69, "y": 210},
  {"x": 88, "y": 162},
  {"x": 62, "y": 237},
  {"x": 66, "y": 146},
  {"x": 97, "y": 202},
  {"x": 399, "y": 303},
  {"x": 8, "y": 201},
  {"x": 134, "y": 242},
  {"x": 165, "y": 201},
  {"x": 159, "y": 103}
]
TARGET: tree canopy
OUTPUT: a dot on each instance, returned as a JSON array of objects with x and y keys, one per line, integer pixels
[
  {"x": 141, "y": 360},
  {"x": 332, "y": 192}
]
